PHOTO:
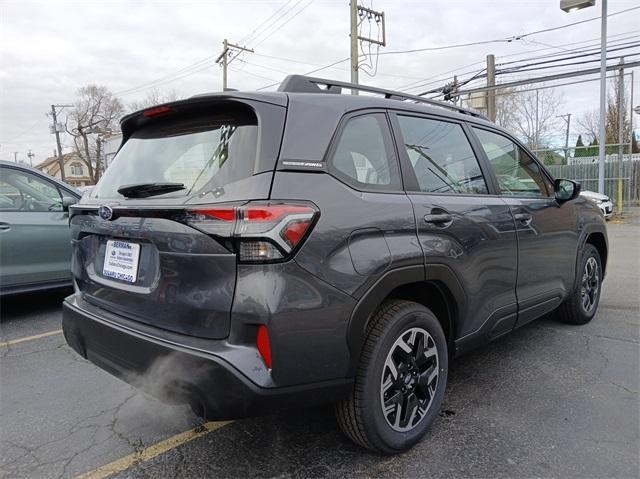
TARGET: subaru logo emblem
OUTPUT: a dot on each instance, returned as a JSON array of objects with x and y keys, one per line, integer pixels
[{"x": 105, "y": 212}]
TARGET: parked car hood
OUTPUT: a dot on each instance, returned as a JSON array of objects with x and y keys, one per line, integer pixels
[{"x": 592, "y": 195}]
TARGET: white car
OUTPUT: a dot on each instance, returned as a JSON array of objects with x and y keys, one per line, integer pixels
[{"x": 603, "y": 202}]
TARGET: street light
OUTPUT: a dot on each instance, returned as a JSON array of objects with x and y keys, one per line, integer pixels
[
  {"x": 569, "y": 6},
  {"x": 573, "y": 5}
]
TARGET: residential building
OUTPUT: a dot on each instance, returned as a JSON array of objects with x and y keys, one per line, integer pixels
[
  {"x": 75, "y": 170},
  {"x": 110, "y": 146}
]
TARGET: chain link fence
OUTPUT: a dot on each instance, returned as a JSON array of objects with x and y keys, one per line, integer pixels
[{"x": 621, "y": 172}]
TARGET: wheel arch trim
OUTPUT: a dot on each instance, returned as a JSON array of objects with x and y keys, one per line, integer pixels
[
  {"x": 587, "y": 232},
  {"x": 385, "y": 285}
]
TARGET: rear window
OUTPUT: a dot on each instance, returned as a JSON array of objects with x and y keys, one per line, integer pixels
[{"x": 205, "y": 154}]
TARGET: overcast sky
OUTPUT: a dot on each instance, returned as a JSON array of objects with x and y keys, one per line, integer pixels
[{"x": 50, "y": 49}]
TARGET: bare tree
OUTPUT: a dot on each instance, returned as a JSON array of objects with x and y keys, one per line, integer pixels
[
  {"x": 530, "y": 114},
  {"x": 588, "y": 124},
  {"x": 589, "y": 121},
  {"x": 505, "y": 107},
  {"x": 95, "y": 114},
  {"x": 154, "y": 97}
]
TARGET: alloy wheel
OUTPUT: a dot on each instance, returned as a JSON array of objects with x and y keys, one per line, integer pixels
[
  {"x": 409, "y": 379},
  {"x": 590, "y": 285}
]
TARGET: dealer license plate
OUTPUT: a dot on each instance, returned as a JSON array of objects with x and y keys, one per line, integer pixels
[{"x": 121, "y": 261}]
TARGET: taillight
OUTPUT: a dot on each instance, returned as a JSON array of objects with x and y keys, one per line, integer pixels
[{"x": 260, "y": 231}]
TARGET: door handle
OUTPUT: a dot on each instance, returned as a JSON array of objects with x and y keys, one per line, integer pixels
[
  {"x": 524, "y": 218},
  {"x": 5, "y": 226},
  {"x": 438, "y": 219}
]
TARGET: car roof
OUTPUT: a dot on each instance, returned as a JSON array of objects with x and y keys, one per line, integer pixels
[{"x": 20, "y": 166}]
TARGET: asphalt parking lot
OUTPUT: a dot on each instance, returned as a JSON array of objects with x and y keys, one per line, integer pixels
[{"x": 549, "y": 400}]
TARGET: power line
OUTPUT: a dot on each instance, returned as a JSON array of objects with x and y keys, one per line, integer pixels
[
  {"x": 557, "y": 85},
  {"x": 251, "y": 73},
  {"x": 247, "y": 38},
  {"x": 572, "y": 57},
  {"x": 188, "y": 70},
  {"x": 555, "y": 76},
  {"x": 159, "y": 82},
  {"x": 478, "y": 74},
  {"x": 525, "y": 67},
  {"x": 304, "y": 62},
  {"x": 192, "y": 67},
  {"x": 263, "y": 66},
  {"x": 414, "y": 85},
  {"x": 508, "y": 40},
  {"x": 310, "y": 72},
  {"x": 551, "y": 29},
  {"x": 503, "y": 40},
  {"x": 23, "y": 132},
  {"x": 276, "y": 20},
  {"x": 591, "y": 47},
  {"x": 425, "y": 81},
  {"x": 304, "y": 7}
]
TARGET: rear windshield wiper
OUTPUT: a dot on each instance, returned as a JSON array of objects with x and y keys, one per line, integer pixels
[{"x": 144, "y": 190}]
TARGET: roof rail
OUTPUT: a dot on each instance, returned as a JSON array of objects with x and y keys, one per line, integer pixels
[{"x": 305, "y": 84}]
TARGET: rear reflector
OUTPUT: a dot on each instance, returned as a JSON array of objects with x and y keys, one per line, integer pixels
[
  {"x": 264, "y": 345},
  {"x": 261, "y": 231}
]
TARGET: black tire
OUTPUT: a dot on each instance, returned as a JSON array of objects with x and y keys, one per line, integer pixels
[
  {"x": 573, "y": 309},
  {"x": 361, "y": 416}
]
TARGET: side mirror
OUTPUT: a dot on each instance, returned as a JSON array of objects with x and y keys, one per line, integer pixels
[
  {"x": 68, "y": 201},
  {"x": 566, "y": 190}
]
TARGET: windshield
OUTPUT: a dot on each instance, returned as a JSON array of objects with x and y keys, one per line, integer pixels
[{"x": 203, "y": 156}]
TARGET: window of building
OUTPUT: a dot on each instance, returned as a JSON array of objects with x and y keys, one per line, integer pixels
[{"x": 76, "y": 169}]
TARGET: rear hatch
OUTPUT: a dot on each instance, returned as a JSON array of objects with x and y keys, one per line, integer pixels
[{"x": 141, "y": 247}]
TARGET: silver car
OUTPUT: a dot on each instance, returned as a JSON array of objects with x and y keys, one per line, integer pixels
[
  {"x": 603, "y": 202},
  {"x": 35, "y": 249}
]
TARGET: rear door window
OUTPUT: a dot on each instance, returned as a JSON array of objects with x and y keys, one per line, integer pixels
[
  {"x": 364, "y": 156},
  {"x": 205, "y": 155},
  {"x": 441, "y": 156}
]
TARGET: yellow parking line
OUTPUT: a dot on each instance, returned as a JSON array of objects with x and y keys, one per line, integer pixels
[
  {"x": 152, "y": 451},
  {"x": 29, "y": 338}
]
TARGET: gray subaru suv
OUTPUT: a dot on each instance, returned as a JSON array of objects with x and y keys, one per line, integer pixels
[{"x": 247, "y": 252}]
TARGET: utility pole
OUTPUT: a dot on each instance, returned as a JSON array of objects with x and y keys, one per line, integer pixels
[
  {"x": 567, "y": 119},
  {"x": 30, "y": 156},
  {"x": 491, "y": 81},
  {"x": 56, "y": 131},
  {"x": 603, "y": 96},
  {"x": 537, "y": 132},
  {"x": 354, "y": 43},
  {"x": 357, "y": 15},
  {"x": 620, "y": 132},
  {"x": 15, "y": 156},
  {"x": 224, "y": 60}
]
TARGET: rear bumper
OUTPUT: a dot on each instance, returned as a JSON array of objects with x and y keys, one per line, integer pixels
[{"x": 177, "y": 374}]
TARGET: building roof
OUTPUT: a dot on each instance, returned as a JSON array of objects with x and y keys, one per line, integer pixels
[{"x": 53, "y": 160}]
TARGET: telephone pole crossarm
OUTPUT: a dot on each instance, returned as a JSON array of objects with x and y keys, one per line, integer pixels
[
  {"x": 224, "y": 60},
  {"x": 379, "y": 18},
  {"x": 358, "y": 14}
]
